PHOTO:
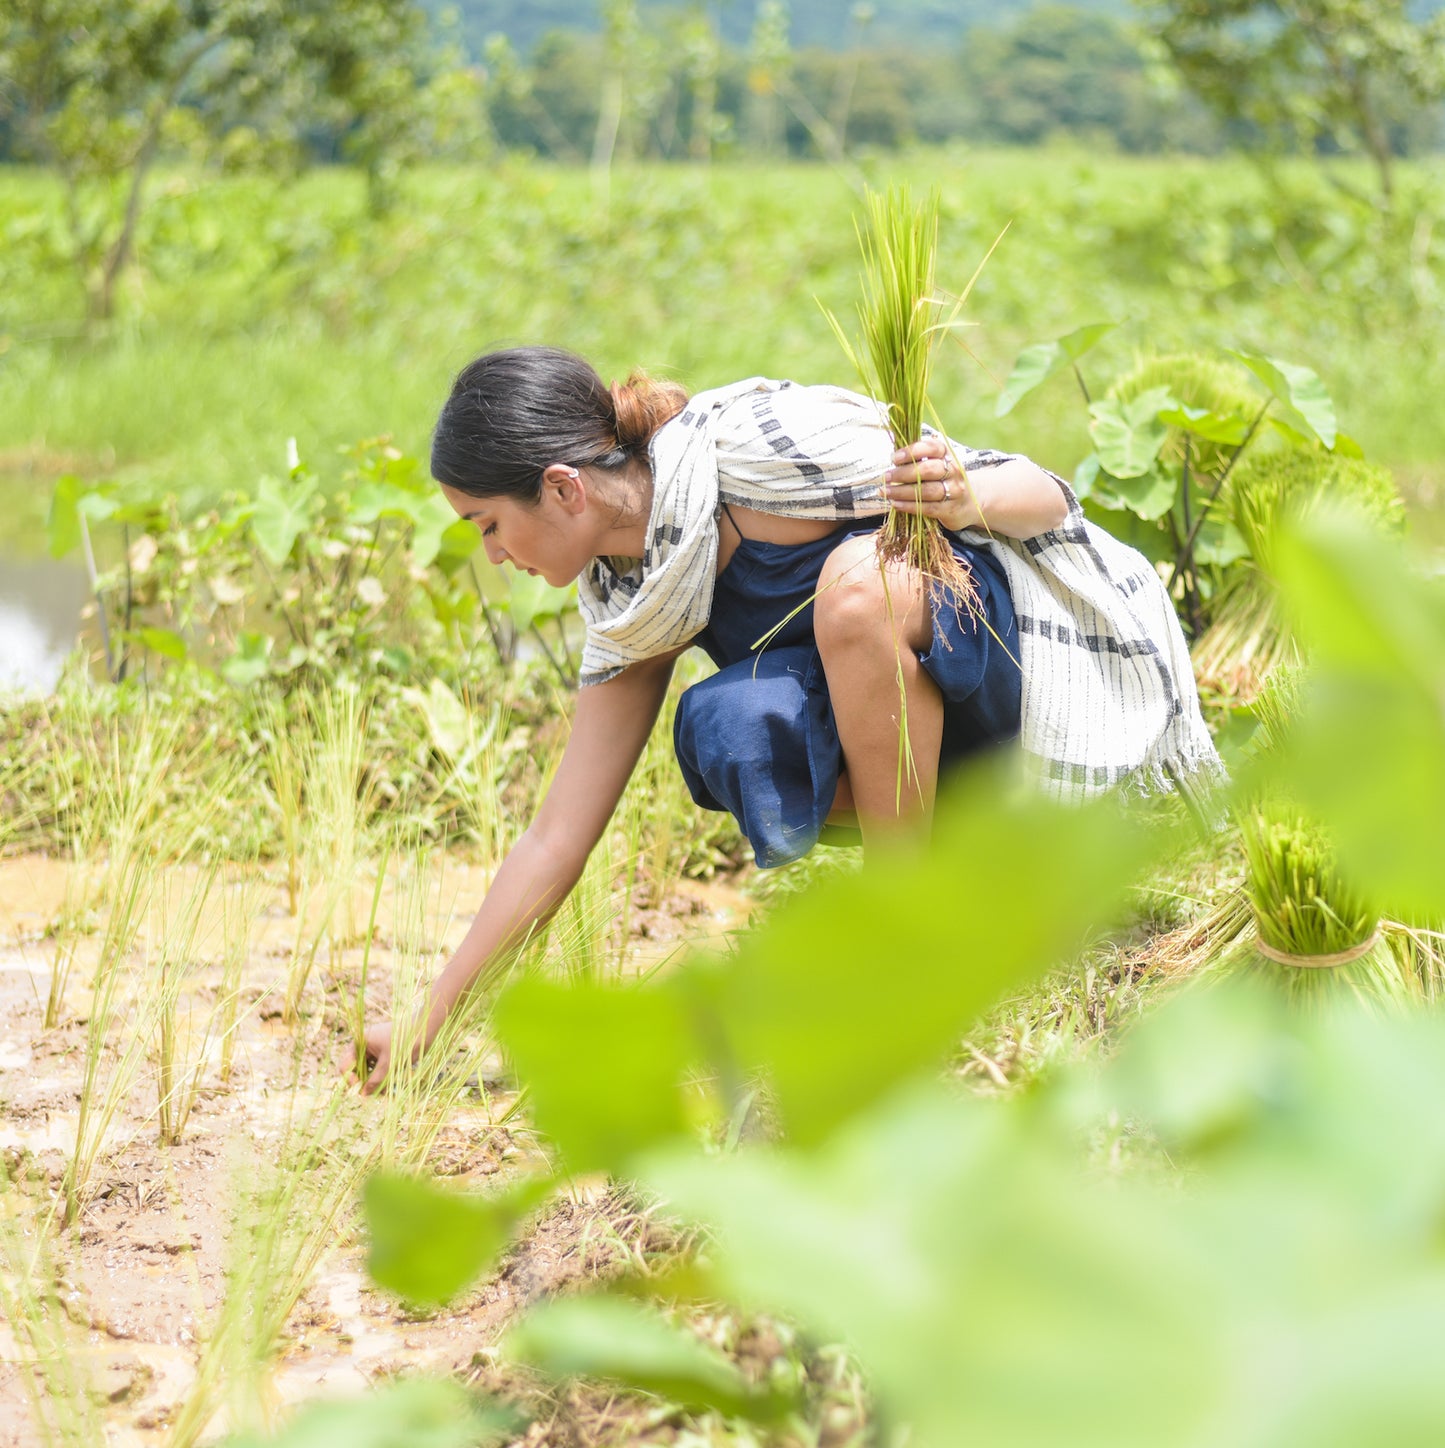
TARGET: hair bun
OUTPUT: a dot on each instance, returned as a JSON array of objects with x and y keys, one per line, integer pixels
[{"x": 642, "y": 404}]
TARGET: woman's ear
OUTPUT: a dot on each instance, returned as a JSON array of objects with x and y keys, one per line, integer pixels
[{"x": 567, "y": 485}]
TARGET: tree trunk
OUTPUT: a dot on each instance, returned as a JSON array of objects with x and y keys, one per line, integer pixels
[{"x": 102, "y": 297}]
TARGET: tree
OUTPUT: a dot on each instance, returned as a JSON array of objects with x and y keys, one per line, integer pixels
[
  {"x": 93, "y": 89},
  {"x": 1345, "y": 73}
]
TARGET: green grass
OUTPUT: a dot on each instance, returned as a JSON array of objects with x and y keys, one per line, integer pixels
[{"x": 264, "y": 309}]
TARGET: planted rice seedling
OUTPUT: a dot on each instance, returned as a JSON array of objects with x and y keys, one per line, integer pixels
[
  {"x": 119, "y": 1006},
  {"x": 182, "y": 1051},
  {"x": 52, "y": 1362},
  {"x": 339, "y": 801},
  {"x": 293, "y": 1201},
  {"x": 241, "y": 904},
  {"x": 423, "y": 1091}
]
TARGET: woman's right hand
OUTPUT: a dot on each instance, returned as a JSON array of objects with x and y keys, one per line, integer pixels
[{"x": 375, "y": 1061}]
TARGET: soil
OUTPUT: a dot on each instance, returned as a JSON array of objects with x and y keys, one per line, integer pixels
[{"x": 143, "y": 1271}]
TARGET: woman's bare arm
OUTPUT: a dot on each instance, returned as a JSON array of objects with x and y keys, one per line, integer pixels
[
  {"x": 609, "y": 730},
  {"x": 1017, "y": 498}
]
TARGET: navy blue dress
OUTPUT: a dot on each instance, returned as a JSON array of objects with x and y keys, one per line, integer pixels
[{"x": 758, "y": 738}]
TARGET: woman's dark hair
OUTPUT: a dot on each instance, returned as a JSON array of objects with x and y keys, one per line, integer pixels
[{"x": 513, "y": 413}]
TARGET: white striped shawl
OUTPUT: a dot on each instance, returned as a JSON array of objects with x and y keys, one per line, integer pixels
[{"x": 1108, "y": 692}]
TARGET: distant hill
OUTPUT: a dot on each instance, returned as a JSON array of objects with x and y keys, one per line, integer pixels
[{"x": 824, "y": 23}]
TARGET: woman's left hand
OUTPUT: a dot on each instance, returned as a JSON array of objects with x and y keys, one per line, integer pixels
[{"x": 928, "y": 478}]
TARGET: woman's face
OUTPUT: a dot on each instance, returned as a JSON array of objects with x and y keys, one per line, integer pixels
[{"x": 542, "y": 538}]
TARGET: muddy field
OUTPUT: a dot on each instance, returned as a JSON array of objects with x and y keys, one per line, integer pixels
[{"x": 156, "y": 1245}]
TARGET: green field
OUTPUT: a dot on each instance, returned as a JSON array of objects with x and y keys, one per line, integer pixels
[{"x": 262, "y": 310}]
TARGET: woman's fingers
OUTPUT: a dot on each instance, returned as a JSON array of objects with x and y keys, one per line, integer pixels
[{"x": 374, "y": 1081}]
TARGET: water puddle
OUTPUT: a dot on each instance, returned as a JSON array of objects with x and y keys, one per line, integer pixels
[{"x": 40, "y": 603}]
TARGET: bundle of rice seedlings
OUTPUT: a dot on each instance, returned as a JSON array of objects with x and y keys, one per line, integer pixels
[
  {"x": 901, "y": 319},
  {"x": 1315, "y": 936},
  {"x": 1420, "y": 950},
  {"x": 1249, "y": 637},
  {"x": 1198, "y": 381}
]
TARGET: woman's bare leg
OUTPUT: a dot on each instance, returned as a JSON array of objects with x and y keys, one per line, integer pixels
[{"x": 871, "y": 625}]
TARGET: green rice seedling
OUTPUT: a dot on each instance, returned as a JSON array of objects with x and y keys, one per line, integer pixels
[
  {"x": 1249, "y": 637},
  {"x": 423, "y": 1090},
  {"x": 118, "y": 1001},
  {"x": 294, "y": 1199},
  {"x": 1420, "y": 949},
  {"x": 286, "y": 748},
  {"x": 339, "y": 800},
  {"x": 68, "y": 928},
  {"x": 52, "y": 1364},
  {"x": 901, "y": 320},
  {"x": 181, "y": 1051},
  {"x": 241, "y": 906},
  {"x": 358, "y": 1003},
  {"x": 468, "y": 736},
  {"x": 901, "y": 317}
]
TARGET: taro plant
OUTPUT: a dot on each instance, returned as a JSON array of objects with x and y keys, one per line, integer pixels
[
  {"x": 294, "y": 582},
  {"x": 1167, "y": 438}
]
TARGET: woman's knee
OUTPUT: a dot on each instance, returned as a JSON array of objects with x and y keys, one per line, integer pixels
[{"x": 859, "y": 601}]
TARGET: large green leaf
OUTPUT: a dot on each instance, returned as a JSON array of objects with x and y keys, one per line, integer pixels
[
  {"x": 531, "y": 599},
  {"x": 1128, "y": 435},
  {"x": 456, "y": 544},
  {"x": 68, "y": 502},
  {"x": 429, "y": 1242},
  {"x": 164, "y": 641},
  {"x": 1150, "y": 495},
  {"x": 280, "y": 513},
  {"x": 375, "y": 499},
  {"x": 432, "y": 517},
  {"x": 604, "y": 1063},
  {"x": 985, "y": 1288},
  {"x": 990, "y": 1273},
  {"x": 251, "y": 661},
  {"x": 1038, "y": 363},
  {"x": 1300, "y": 389},
  {"x": 1223, "y": 427},
  {"x": 870, "y": 979},
  {"x": 633, "y": 1345}
]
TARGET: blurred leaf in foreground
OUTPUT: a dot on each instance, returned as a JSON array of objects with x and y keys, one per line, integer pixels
[
  {"x": 999, "y": 1283},
  {"x": 428, "y": 1243},
  {"x": 604, "y": 1064},
  {"x": 422, "y": 1413},
  {"x": 633, "y": 1345},
  {"x": 873, "y": 977},
  {"x": 1368, "y": 754}
]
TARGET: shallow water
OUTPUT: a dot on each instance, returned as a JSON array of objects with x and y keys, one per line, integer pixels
[{"x": 40, "y": 603}]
